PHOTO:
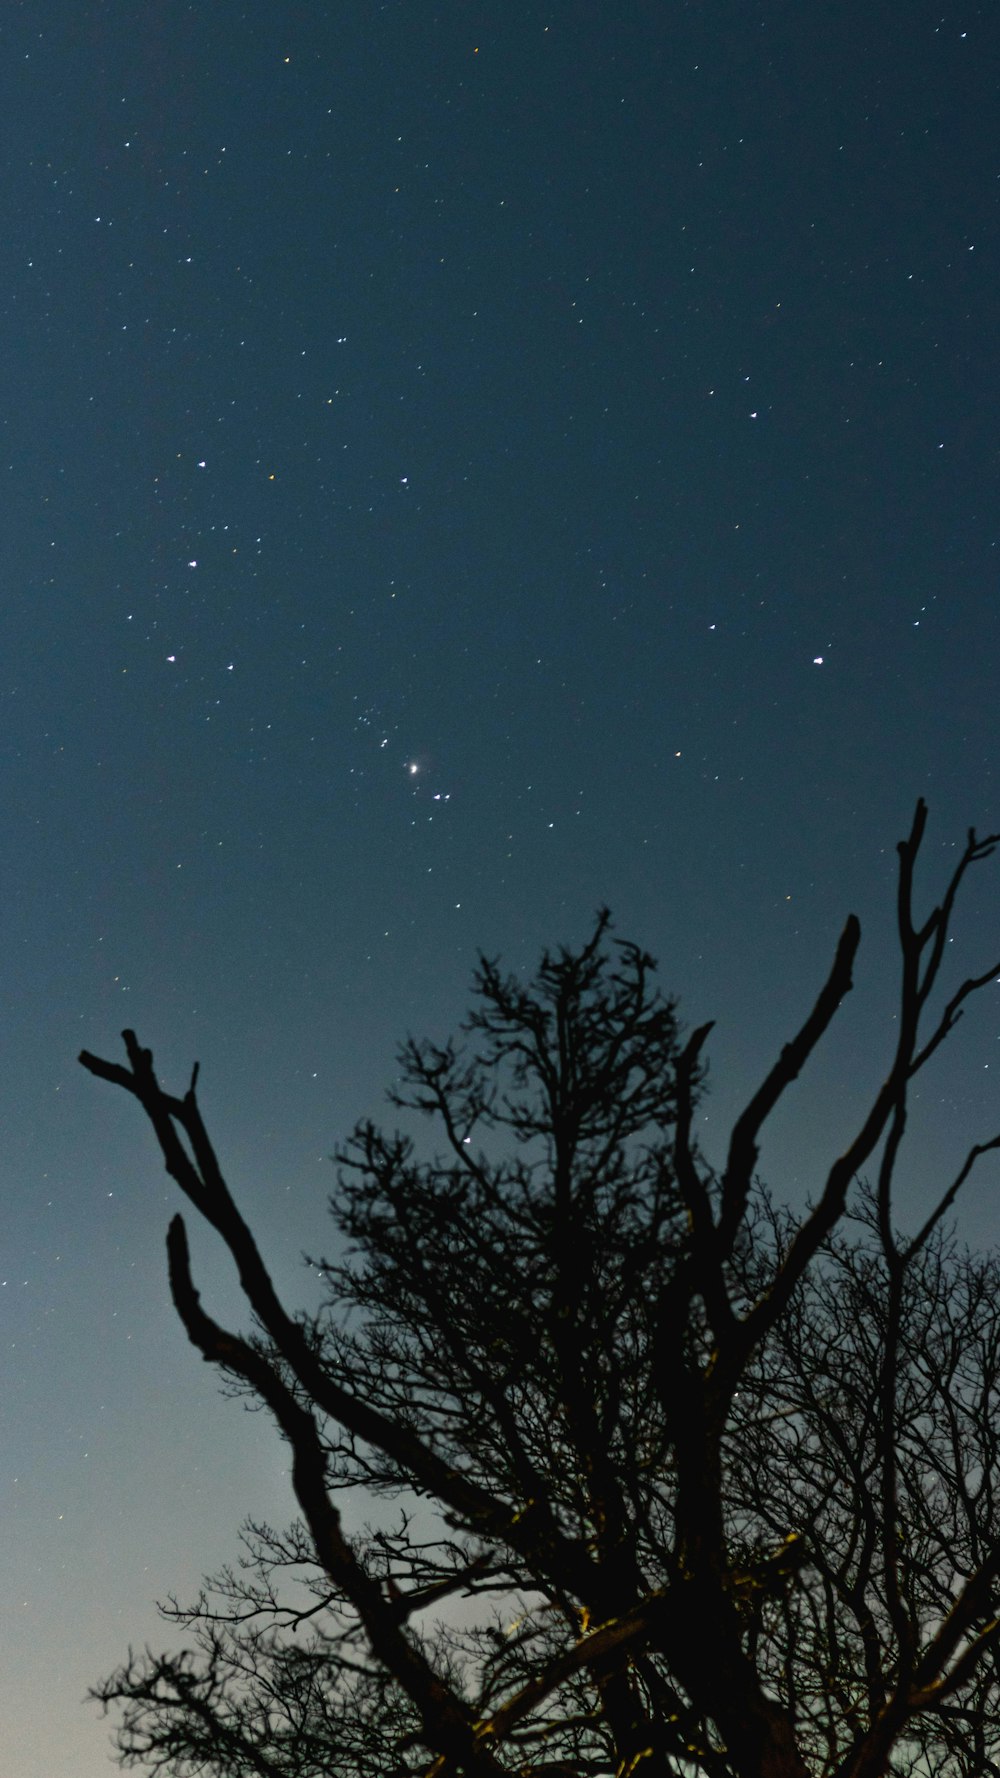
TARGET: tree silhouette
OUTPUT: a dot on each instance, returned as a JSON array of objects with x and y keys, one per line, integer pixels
[{"x": 664, "y": 1478}]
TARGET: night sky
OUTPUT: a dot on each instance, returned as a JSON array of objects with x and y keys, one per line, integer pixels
[{"x": 462, "y": 464}]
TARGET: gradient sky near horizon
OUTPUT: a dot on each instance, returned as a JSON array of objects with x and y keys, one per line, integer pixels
[{"x": 462, "y": 464}]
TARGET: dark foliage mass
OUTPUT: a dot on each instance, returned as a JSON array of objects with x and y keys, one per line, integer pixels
[{"x": 662, "y": 1477}]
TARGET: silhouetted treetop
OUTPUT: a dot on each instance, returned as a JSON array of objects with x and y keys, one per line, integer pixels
[{"x": 664, "y": 1477}]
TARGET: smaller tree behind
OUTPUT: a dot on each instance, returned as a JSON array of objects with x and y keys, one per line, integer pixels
[{"x": 667, "y": 1479}]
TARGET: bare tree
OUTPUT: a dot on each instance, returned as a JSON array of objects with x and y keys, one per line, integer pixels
[{"x": 665, "y": 1478}]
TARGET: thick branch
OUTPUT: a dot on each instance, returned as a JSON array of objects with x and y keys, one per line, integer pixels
[{"x": 447, "y": 1726}]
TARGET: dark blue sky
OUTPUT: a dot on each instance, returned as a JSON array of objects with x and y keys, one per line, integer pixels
[{"x": 461, "y": 464}]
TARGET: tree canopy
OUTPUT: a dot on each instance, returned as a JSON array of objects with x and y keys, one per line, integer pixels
[{"x": 663, "y": 1477}]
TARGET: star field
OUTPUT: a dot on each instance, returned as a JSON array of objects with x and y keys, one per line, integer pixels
[{"x": 461, "y": 467}]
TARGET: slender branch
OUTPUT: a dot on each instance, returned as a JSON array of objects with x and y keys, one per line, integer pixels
[
  {"x": 533, "y": 1530},
  {"x": 743, "y": 1148}
]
